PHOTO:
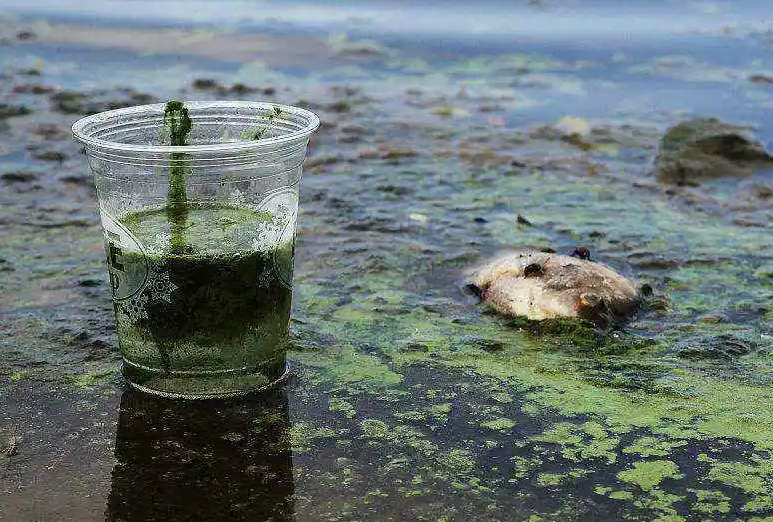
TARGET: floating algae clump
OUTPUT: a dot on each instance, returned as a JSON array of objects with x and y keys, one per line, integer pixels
[{"x": 649, "y": 474}]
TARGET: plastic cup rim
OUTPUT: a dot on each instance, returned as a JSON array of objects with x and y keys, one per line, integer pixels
[{"x": 79, "y": 128}]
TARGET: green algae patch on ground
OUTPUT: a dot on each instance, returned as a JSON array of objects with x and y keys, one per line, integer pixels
[
  {"x": 753, "y": 479},
  {"x": 342, "y": 406},
  {"x": 20, "y": 375},
  {"x": 649, "y": 474},
  {"x": 302, "y": 434},
  {"x": 710, "y": 502},
  {"x": 349, "y": 367},
  {"x": 501, "y": 424},
  {"x": 94, "y": 378},
  {"x": 624, "y": 384},
  {"x": 653, "y": 447},
  {"x": 577, "y": 443}
]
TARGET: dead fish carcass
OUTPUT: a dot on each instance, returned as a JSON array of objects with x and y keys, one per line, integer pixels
[{"x": 538, "y": 285}]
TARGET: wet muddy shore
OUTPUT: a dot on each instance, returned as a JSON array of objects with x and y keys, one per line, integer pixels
[{"x": 408, "y": 399}]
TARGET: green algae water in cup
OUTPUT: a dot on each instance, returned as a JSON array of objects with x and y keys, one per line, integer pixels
[{"x": 198, "y": 204}]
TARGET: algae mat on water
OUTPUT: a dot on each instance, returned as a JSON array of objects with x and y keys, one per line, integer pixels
[
  {"x": 621, "y": 425},
  {"x": 409, "y": 401}
]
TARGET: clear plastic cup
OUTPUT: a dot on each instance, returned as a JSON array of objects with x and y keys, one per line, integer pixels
[{"x": 201, "y": 289}]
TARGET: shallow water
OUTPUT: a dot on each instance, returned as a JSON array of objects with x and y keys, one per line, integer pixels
[{"x": 408, "y": 401}]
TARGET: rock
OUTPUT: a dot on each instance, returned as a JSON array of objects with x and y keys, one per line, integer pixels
[
  {"x": 239, "y": 89},
  {"x": 50, "y": 155},
  {"x": 571, "y": 126},
  {"x": 8, "y": 111},
  {"x": 339, "y": 106},
  {"x": 205, "y": 84},
  {"x": 78, "y": 179},
  {"x": 5, "y": 265},
  {"x": 343, "y": 47},
  {"x": 71, "y": 102},
  {"x": 764, "y": 192},
  {"x": 19, "y": 177},
  {"x": 704, "y": 148},
  {"x": 581, "y": 253},
  {"x": 761, "y": 79},
  {"x": 573, "y": 131},
  {"x": 397, "y": 190},
  {"x": 538, "y": 285},
  {"x": 83, "y": 103},
  {"x": 345, "y": 90},
  {"x": 53, "y": 132},
  {"x": 713, "y": 318},
  {"x": 32, "y": 88},
  {"x": 723, "y": 347},
  {"x": 89, "y": 283},
  {"x": 396, "y": 153}
]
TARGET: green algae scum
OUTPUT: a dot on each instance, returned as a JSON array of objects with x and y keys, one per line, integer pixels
[
  {"x": 409, "y": 400},
  {"x": 212, "y": 320}
]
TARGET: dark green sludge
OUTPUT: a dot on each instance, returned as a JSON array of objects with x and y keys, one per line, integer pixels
[{"x": 221, "y": 305}]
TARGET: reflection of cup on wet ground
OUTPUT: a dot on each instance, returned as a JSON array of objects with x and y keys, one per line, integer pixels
[
  {"x": 206, "y": 461},
  {"x": 199, "y": 239}
]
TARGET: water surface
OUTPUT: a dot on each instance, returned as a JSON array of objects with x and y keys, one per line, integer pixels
[{"x": 408, "y": 401}]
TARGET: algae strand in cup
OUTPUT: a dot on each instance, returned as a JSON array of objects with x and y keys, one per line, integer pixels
[
  {"x": 177, "y": 125},
  {"x": 276, "y": 111}
]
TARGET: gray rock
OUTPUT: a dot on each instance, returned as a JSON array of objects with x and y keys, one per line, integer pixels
[
  {"x": 705, "y": 148},
  {"x": 9, "y": 111}
]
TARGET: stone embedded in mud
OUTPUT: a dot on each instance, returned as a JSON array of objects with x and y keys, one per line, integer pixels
[
  {"x": 32, "y": 88},
  {"x": 9, "y": 111},
  {"x": 50, "y": 155},
  {"x": 538, "y": 285},
  {"x": 704, "y": 148},
  {"x": 5, "y": 265},
  {"x": 571, "y": 126},
  {"x": 761, "y": 79},
  {"x": 21, "y": 176},
  {"x": 213, "y": 86},
  {"x": 82, "y": 103},
  {"x": 713, "y": 318},
  {"x": 53, "y": 132},
  {"x": 205, "y": 84}
]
